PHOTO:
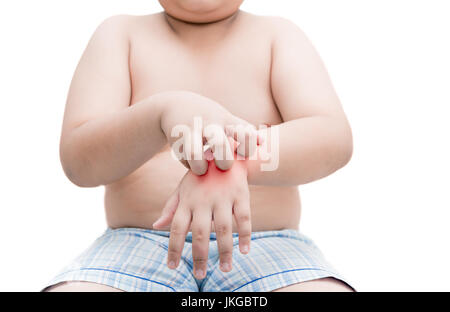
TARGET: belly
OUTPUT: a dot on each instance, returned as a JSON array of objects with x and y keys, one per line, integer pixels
[{"x": 138, "y": 199}]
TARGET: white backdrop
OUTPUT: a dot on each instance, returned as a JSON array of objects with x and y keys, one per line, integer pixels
[{"x": 382, "y": 220}]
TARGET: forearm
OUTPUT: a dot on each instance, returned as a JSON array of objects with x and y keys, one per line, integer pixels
[
  {"x": 106, "y": 149},
  {"x": 309, "y": 149}
]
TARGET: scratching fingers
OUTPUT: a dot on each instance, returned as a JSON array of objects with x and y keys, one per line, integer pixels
[
  {"x": 220, "y": 146},
  {"x": 193, "y": 148},
  {"x": 168, "y": 212},
  {"x": 246, "y": 135}
]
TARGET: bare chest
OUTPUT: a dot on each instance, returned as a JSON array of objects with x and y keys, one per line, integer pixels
[{"x": 235, "y": 73}]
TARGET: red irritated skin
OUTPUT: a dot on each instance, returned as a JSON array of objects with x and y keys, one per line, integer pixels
[{"x": 217, "y": 196}]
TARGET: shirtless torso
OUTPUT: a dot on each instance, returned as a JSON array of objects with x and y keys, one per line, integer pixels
[
  {"x": 261, "y": 69},
  {"x": 232, "y": 68}
]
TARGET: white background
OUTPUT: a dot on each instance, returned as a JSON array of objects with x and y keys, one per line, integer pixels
[{"x": 382, "y": 221}]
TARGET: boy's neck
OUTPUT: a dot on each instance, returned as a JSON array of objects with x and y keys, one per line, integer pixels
[{"x": 205, "y": 32}]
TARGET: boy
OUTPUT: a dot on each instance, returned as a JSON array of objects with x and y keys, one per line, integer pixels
[{"x": 207, "y": 223}]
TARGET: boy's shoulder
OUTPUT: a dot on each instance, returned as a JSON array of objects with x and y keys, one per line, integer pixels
[
  {"x": 125, "y": 23},
  {"x": 269, "y": 20},
  {"x": 117, "y": 21},
  {"x": 274, "y": 25}
]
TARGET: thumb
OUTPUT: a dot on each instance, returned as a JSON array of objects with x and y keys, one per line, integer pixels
[{"x": 168, "y": 212}]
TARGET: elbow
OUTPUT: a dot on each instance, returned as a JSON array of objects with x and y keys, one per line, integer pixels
[
  {"x": 347, "y": 153},
  {"x": 76, "y": 166},
  {"x": 344, "y": 148},
  {"x": 77, "y": 178}
]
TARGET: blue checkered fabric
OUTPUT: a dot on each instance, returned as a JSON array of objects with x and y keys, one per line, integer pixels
[{"x": 133, "y": 259}]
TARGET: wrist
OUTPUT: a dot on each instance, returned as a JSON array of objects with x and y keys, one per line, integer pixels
[
  {"x": 242, "y": 166},
  {"x": 167, "y": 102},
  {"x": 161, "y": 104}
]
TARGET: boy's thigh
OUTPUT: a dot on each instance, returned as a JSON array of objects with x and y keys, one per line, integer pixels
[
  {"x": 81, "y": 287},
  {"x": 328, "y": 284}
]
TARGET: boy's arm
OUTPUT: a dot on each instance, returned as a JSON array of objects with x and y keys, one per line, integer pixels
[
  {"x": 315, "y": 139},
  {"x": 104, "y": 138},
  {"x": 98, "y": 123}
]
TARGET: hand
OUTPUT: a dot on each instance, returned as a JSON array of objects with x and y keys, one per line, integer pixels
[
  {"x": 216, "y": 196},
  {"x": 216, "y": 124}
]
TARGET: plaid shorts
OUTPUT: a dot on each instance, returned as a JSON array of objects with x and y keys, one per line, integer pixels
[{"x": 133, "y": 259}]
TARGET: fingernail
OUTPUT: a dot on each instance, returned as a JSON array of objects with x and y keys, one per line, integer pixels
[
  {"x": 245, "y": 249},
  {"x": 199, "y": 273},
  {"x": 172, "y": 264},
  {"x": 225, "y": 267}
]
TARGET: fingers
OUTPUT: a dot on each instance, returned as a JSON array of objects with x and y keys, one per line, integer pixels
[
  {"x": 261, "y": 138},
  {"x": 168, "y": 212},
  {"x": 242, "y": 216},
  {"x": 246, "y": 135},
  {"x": 220, "y": 146},
  {"x": 209, "y": 156},
  {"x": 194, "y": 153},
  {"x": 223, "y": 219},
  {"x": 178, "y": 231},
  {"x": 248, "y": 140},
  {"x": 234, "y": 144},
  {"x": 201, "y": 229},
  {"x": 185, "y": 163},
  {"x": 245, "y": 141}
]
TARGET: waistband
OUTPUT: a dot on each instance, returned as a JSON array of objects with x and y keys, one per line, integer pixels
[{"x": 286, "y": 233}]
